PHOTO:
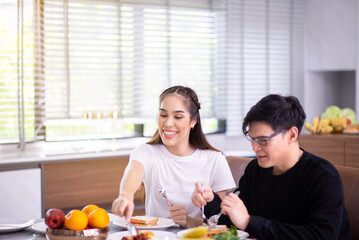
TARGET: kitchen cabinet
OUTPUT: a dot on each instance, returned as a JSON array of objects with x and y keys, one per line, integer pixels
[
  {"x": 339, "y": 149},
  {"x": 78, "y": 183},
  {"x": 74, "y": 184},
  {"x": 352, "y": 152},
  {"x": 20, "y": 193}
]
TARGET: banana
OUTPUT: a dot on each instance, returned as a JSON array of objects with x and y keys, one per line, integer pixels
[
  {"x": 327, "y": 125},
  {"x": 323, "y": 123},
  {"x": 196, "y": 232},
  {"x": 315, "y": 124},
  {"x": 308, "y": 126},
  {"x": 339, "y": 124},
  {"x": 320, "y": 126},
  {"x": 327, "y": 129},
  {"x": 332, "y": 121}
]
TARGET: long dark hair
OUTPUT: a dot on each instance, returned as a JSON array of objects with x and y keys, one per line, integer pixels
[{"x": 196, "y": 135}]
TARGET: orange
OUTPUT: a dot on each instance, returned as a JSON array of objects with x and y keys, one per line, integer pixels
[
  {"x": 76, "y": 220},
  {"x": 89, "y": 208},
  {"x": 98, "y": 218}
]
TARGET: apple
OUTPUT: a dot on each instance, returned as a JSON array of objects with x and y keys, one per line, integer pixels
[{"x": 55, "y": 218}]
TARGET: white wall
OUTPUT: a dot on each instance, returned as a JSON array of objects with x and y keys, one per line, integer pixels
[
  {"x": 331, "y": 56},
  {"x": 20, "y": 194}
]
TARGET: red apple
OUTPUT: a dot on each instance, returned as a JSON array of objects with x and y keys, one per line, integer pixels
[{"x": 55, "y": 218}]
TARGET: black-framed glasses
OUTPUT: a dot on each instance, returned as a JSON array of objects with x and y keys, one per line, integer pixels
[{"x": 263, "y": 141}]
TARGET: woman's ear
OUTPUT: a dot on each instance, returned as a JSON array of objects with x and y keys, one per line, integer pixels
[{"x": 193, "y": 123}]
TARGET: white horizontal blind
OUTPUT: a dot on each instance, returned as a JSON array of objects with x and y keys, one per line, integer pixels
[
  {"x": 119, "y": 56},
  {"x": 109, "y": 55},
  {"x": 192, "y": 46},
  {"x": 82, "y": 63},
  {"x": 17, "y": 113},
  {"x": 174, "y": 43},
  {"x": 259, "y": 53}
]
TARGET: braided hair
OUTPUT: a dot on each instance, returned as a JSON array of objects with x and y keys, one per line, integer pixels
[{"x": 196, "y": 136}]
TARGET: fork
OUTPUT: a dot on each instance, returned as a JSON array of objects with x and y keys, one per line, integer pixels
[
  {"x": 204, "y": 218},
  {"x": 133, "y": 231},
  {"x": 213, "y": 220},
  {"x": 162, "y": 192}
]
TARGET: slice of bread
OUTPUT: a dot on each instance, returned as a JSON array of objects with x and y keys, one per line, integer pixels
[
  {"x": 144, "y": 221},
  {"x": 148, "y": 234},
  {"x": 218, "y": 229}
]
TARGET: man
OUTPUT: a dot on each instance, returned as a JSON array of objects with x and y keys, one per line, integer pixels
[{"x": 285, "y": 192}]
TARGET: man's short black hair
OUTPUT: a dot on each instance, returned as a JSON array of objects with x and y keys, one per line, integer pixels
[{"x": 280, "y": 112}]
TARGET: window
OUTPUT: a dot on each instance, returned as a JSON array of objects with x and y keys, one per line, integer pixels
[
  {"x": 262, "y": 37},
  {"x": 82, "y": 69},
  {"x": 17, "y": 94}
]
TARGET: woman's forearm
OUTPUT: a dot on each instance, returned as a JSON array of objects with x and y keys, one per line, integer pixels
[
  {"x": 193, "y": 222},
  {"x": 131, "y": 179},
  {"x": 221, "y": 194}
]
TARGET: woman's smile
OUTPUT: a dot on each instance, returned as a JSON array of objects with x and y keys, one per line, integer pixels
[{"x": 169, "y": 133}]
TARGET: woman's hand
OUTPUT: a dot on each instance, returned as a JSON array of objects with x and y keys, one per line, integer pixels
[
  {"x": 234, "y": 207},
  {"x": 179, "y": 215},
  {"x": 201, "y": 195},
  {"x": 123, "y": 206}
]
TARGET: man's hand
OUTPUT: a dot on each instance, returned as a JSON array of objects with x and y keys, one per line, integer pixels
[{"x": 234, "y": 207}]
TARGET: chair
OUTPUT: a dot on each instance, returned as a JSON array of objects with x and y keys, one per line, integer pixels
[{"x": 350, "y": 179}]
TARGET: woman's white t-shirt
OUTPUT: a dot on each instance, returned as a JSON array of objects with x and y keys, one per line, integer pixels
[{"x": 178, "y": 176}]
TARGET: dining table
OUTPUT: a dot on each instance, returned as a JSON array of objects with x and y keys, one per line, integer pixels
[
  {"x": 31, "y": 234},
  {"x": 117, "y": 229}
]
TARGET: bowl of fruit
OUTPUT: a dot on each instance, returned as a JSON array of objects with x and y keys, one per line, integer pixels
[{"x": 90, "y": 223}]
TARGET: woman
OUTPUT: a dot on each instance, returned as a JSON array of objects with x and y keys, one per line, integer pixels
[{"x": 177, "y": 156}]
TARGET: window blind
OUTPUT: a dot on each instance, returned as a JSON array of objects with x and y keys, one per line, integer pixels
[
  {"x": 81, "y": 52},
  {"x": 17, "y": 98},
  {"x": 118, "y": 56},
  {"x": 79, "y": 59},
  {"x": 259, "y": 53}
]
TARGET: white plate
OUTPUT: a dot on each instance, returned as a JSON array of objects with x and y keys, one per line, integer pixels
[
  {"x": 159, "y": 235},
  {"x": 162, "y": 223},
  {"x": 113, "y": 217},
  {"x": 13, "y": 225},
  {"x": 39, "y": 226},
  {"x": 241, "y": 234},
  {"x": 351, "y": 132}
]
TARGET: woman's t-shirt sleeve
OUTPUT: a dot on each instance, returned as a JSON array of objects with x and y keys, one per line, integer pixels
[
  {"x": 142, "y": 153},
  {"x": 222, "y": 175}
]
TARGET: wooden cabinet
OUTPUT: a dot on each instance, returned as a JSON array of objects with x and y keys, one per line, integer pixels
[
  {"x": 352, "y": 152},
  {"x": 339, "y": 149},
  {"x": 74, "y": 184}
]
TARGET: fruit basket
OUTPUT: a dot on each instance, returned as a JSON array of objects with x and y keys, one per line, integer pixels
[{"x": 86, "y": 234}]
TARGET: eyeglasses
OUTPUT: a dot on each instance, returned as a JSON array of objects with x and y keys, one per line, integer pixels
[{"x": 263, "y": 141}]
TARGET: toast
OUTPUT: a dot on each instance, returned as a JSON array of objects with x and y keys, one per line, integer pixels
[
  {"x": 218, "y": 229},
  {"x": 144, "y": 221}
]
